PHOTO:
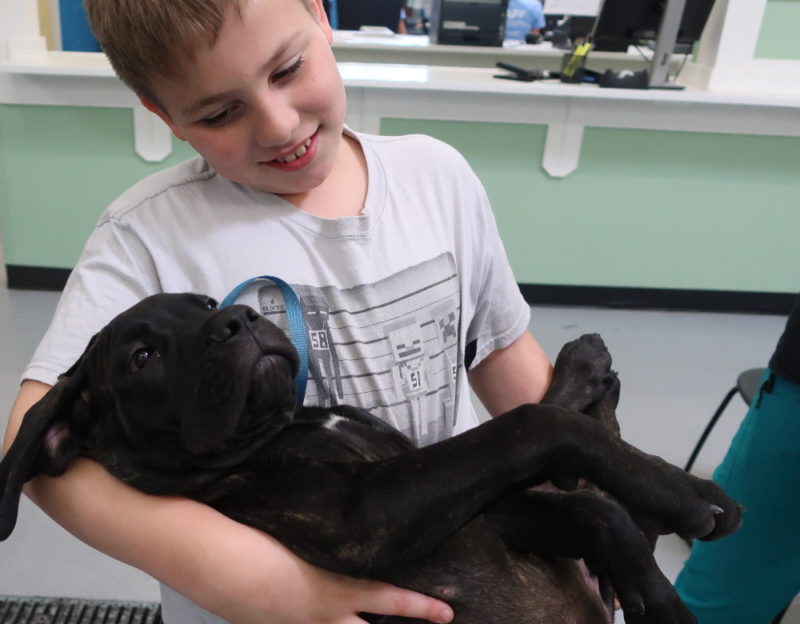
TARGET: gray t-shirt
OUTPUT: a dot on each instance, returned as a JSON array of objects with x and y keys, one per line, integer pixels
[{"x": 393, "y": 298}]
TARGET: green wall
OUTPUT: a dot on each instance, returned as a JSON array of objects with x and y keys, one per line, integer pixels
[
  {"x": 778, "y": 33},
  {"x": 645, "y": 208},
  {"x": 59, "y": 168}
]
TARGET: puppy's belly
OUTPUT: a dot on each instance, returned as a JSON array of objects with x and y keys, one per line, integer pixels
[
  {"x": 485, "y": 583},
  {"x": 563, "y": 590}
]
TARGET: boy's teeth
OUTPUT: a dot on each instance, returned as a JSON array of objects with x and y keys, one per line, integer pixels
[{"x": 303, "y": 149}]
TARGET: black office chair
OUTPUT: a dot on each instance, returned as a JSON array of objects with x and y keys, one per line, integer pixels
[{"x": 746, "y": 386}]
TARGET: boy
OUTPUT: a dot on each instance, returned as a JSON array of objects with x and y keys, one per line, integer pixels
[{"x": 396, "y": 231}]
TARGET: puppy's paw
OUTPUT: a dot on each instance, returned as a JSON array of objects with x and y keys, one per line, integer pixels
[
  {"x": 706, "y": 512},
  {"x": 621, "y": 553},
  {"x": 604, "y": 410},
  {"x": 722, "y": 515},
  {"x": 658, "y": 604},
  {"x": 693, "y": 508},
  {"x": 645, "y": 594},
  {"x": 669, "y": 610},
  {"x": 581, "y": 375}
]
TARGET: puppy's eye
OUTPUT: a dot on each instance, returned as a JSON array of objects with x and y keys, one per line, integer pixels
[
  {"x": 141, "y": 357},
  {"x": 211, "y": 304}
]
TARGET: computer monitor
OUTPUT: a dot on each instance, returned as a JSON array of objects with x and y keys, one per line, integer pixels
[
  {"x": 621, "y": 23},
  {"x": 569, "y": 21},
  {"x": 468, "y": 22},
  {"x": 353, "y": 14}
]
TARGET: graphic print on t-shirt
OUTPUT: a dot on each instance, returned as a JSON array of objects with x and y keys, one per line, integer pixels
[{"x": 391, "y": 347}]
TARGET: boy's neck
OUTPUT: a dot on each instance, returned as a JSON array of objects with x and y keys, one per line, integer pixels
[{"x": 344, "y": 191}]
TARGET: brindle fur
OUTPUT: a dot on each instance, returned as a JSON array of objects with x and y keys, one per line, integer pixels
[{"x": 211, "y": 415}]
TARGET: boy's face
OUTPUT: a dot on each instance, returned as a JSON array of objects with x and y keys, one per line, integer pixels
[{"x": 265, "y": 105}]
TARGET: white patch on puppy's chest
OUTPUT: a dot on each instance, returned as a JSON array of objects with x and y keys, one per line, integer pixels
[{"x": 332, "y": 422}]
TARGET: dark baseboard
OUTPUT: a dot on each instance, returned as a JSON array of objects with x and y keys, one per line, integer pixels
[
  {"x": 36, "y": 278},
  {"x": 43, "y": 278},
  {"x": 660, "y": 299}
]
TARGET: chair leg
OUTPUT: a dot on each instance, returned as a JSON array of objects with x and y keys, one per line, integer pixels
[{"x": 709, "y": 427}]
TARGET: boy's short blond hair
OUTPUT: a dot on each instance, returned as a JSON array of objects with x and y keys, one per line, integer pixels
[{"x": 144, "y": 39}]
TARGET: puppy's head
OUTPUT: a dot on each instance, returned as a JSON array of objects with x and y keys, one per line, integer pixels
[
  {"x": 174, "y": 368},
  {"x": 169, "y": 396}
]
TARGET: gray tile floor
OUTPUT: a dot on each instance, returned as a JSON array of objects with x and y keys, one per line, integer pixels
[{"x": 675, "y": 367}]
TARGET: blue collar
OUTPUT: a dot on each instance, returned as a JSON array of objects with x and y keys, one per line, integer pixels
[{"x": 297, "y": 325}]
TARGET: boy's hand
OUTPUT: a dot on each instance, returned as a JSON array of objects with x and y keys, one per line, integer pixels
[
  {"x": 288, "y": 590},
  {"x": 336, "y": 599}
]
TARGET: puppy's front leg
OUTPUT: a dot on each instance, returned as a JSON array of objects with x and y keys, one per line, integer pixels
[{"x": 363, "y": 518}]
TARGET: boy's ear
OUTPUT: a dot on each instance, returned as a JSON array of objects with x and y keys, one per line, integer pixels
[
  {"x": 157, "y": 110},
  {"x": 318, "y": 11}
]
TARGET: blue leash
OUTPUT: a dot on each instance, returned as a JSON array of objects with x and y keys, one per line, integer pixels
[{"x": 297, "y": 325}]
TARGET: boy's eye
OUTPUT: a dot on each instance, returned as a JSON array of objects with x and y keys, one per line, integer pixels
[
  {"x": 218, "y": 118},
  {"x": 285, "y": 73}
]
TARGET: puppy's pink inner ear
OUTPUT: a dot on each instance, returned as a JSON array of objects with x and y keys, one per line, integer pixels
[{"x": 55, "y": 438}]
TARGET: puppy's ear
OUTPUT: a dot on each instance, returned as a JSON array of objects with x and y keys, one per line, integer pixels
[{"x": 42, "y": 443}]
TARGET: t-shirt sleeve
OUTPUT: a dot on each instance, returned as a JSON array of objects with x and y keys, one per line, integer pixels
[
  {"x": 113, "y": 272},
  {"x": 501, "y": 314}
]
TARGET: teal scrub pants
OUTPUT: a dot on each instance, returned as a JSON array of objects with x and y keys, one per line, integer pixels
[{"x": 752, "y": 575}]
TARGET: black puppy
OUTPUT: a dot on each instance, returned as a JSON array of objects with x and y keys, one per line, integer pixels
[{"x": 176, "y": 397}]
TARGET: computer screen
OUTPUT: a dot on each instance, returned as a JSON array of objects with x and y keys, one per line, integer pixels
[
  {"x": 353, "y": 14},
  {"x": 569, "y": 21},
  {"x": 468, "y": 22},
  {"x": 621, "y": 23}
]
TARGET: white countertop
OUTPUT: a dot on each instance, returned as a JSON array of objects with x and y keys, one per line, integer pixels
[
  {"x": 380, "y": 90},
  {"x": 427, "y": 78},
  {"x": 359, "y": 40},
  {"x": 481, "y": 80}
]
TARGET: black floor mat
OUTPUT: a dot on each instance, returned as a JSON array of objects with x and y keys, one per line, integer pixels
[{"x": 35, "y": 610}]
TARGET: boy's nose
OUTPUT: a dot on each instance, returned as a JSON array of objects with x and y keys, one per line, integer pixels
[{"x": 274, "y": 123}]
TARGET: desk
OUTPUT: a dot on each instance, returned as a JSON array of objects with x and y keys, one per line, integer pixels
[
  {"x": 377, "y": 91},
  {"x": 356, "y": 47},
  {"x": 472, "y": 94}
]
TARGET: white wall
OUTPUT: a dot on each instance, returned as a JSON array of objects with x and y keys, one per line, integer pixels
[{"x": 19, "y": 30}]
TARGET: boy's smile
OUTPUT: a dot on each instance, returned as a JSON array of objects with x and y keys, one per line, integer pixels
[
  {"x": 296, "y": 158},
  {"x": 264, "y": 104}
]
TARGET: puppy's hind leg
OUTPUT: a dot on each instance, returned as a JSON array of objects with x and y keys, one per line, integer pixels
[
  {"x": 582, "y": 374},
  {"x": 604, "y": 410},
  {"x": 584, "y": 382},
  {"x": 585, "y": 525}
]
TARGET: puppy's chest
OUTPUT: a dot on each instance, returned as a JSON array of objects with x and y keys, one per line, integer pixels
[{"x": 335, "y": 438}]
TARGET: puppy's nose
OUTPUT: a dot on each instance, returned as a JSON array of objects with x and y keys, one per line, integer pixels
[{"x": 230, "y": 322}]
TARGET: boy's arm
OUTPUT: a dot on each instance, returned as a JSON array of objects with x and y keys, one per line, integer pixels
[
  {"x": 235, "y": 571},
  {"x": 519, "y": 373}
]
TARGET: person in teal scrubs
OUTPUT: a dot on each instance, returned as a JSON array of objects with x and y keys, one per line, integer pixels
[{"x": 751, "y": 576}]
